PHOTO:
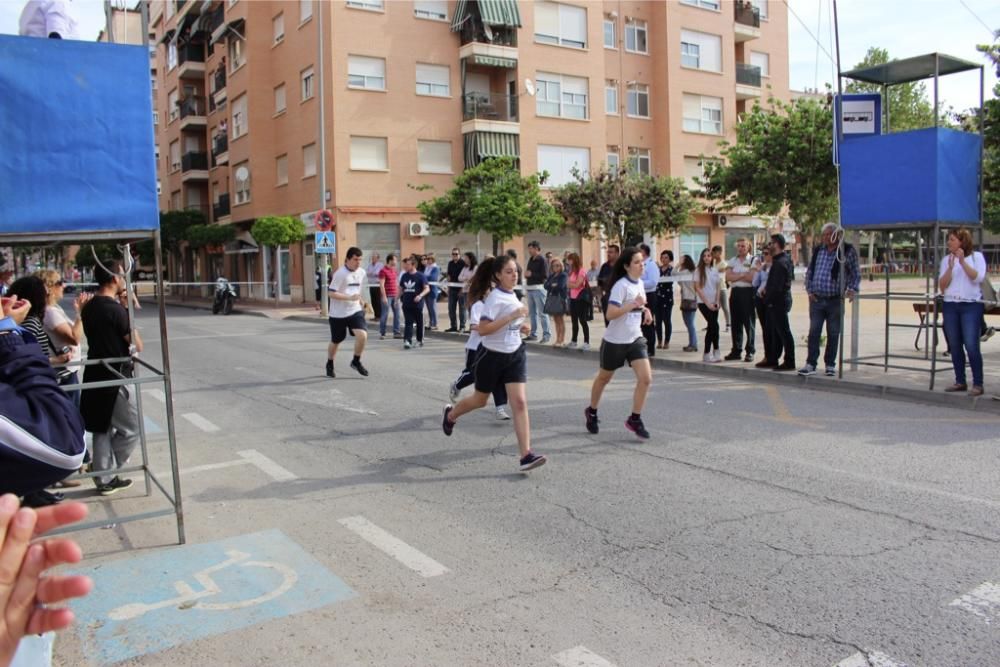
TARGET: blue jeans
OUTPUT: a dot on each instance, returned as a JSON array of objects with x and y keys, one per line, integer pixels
[
  {"x": 536, "y": 306},
  {"x": 962, "y": 322},
  {"x": 824, "y": 310},
  {"x": 688, "y": 316},
  {"x": 393, "y": 305},
  {"x": 432, "y": 303}
]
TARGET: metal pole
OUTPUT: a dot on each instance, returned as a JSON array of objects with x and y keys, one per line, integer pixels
[
  {"x": 130, "y": 296},
  {"x": 108, "y": 28},
  {"x": 937, "y": 68},
  {"x": 934, "y": 307},
  {"x": 324, "y": 301},
  {"x": 855, "y": 317},
  {"x": 886, "y": 267}
]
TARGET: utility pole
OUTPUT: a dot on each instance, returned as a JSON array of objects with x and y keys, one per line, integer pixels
[{"x": 324, "y": 302}]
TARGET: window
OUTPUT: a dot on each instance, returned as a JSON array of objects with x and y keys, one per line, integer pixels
[
  {"x": 431, "y": 9},
  {"x": 694, "y": 167},
  {"x": 159, "y": 188},
  {"x": 278, "y": 25},
  {"x": 306, "y": 77},
  {"x": 156, "y": 153},
  {"x": 434, "y": 157},
  {"x": 240, "y": 126},
  {"x": 242, "y": 177},
  {"x": 156, "y": 118},
  {"x": 152, "y": 83},
  {"x": 171, "y": 9},
  {"x": 559, "y": 162},
  {"x": 175, "y": 200},
  {"x": 308, "y": 160},
  {"x": 279, "y": 99},
  {"x": 609, "y": 33},
  {"x": 704, "y": 4},
  {"x": 433, "y": 80},
  {"x": 637, "y": 100},
  {"x": 237, "y": 53},
  {"x": 281, "y": 170},
  {"x": 175, "y": 155},
  {"x": 638, "y": 160},
  {"x": 761, "y": 60},
  {"x": 614, "y": 163},
  {"x": 366, "y": 73},
  {"x": 561, "y": 95},
  {"x": 171, "y": 56},
  {"x": 761, "y": 6},
  {"x": 635, "y": 36},
  {"x": 702, "y": 114},
  {"x": 370, "y": 153},
  {"x": 172, "y": 107},
  {"x": 305, "y": 10},
  {"x": 370, "y": 5},
  {"x": 611, "y": 97},
  {"x": 564, "y": 25},
  {"x": 700, "y": 50},
  {"x": 692, "y": 243}
]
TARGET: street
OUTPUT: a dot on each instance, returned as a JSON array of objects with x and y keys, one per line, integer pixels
[{"x": 759, "y": 526}]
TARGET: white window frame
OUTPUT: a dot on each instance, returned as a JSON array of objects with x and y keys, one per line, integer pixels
[
  {"x": 173, "y": 109},
  {"x": 705, "y": 48},
  {"x": 608, "y": 21},
  {"x": 611, "y": 98},
  {"x": 613, "y": 162},
  {"x": 280, "y": 95},
  {"x": 156, "y": 118},
  {"x": 278, "y": 28},
  {"x": 552, "y": 95},
  {"x": 281, "y": 165},
  {"x": 240, "y": 121},
  {"x": 175, "y": 155},
  {"x": 636, "y": 91},
  {"x": 547, "y": 155},
  {"x": 236, "y": 50},
  {"x": 765, "y": 58},
  {"x": 711, "y": 5},
  {"x": 307, "y": 88},
  {"x": 565, "y": 14},
  {"x": 690, "y": 55},
  {"x": 362, "y": 77},
  {"x": 367, "y": 5},
  {"x": 635, "y": 28},
  {"x": 171, "y": 56},
  {"x": 431, "y": 10},
  {"x": 710, "y": 117},
  {"x": 430, "y": 154},
  {"x": 242, "y": 188},
  {"x": 429, "y": 84},
  {"x": 692, "y": 170},
  {"x": 305, "y": 10},
  {"x": 152, "y": 83},
  {"x": 640, "y": 161},
  {"x": 381, "y": 163},
  {"x": 307, "y": 150},
  {"x": 761, "y": 6}
]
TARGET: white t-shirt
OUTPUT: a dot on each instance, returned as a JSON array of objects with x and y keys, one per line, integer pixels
[
  {"x": 500, "y": 304},
  {"x": 41, "y": 18},
  {"x": 54, "y": 316},
  {"x": 711, "y": 287},
  {"x": 350, "y": 283},
  {"x": 740, "y": 266},
  {"x": 475, "y": 313},
  {"x": 961, "y": 287},
  {"x": 625, "y": 329}
]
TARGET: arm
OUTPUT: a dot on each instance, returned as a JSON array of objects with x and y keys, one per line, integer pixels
[
  {"x": 487, "y": 327},
  {"x": 853, "y": 273},
  {"x": 576, "y": 281},
  {"x": 381, "y": 287},
  {"x": 615, "y": 311}
]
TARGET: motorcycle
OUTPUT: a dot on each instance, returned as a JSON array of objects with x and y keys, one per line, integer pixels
[{"x": 225, "y": 294}]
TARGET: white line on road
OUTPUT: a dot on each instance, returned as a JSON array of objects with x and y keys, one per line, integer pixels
[
  {"x": 424, "y": 565},
  {"x": 157, "y": 394},
  {"x": 869, "y": 659},
  {"x": 983, "y": 601},
  {"x": 268, "y": 466},
  {"x": 216, "y": 466},
  {"x": 200, "y": 422},
  {"x": 580, "y": 656}
]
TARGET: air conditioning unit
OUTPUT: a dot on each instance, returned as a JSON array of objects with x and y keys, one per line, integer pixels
[
  {"x": 722, "y": 220},
  {"x": 419, "y": 229}
]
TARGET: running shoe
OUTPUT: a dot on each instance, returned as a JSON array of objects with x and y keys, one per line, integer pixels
[
  {"x": 635, "y": 425},
  {"x": 502, "y": 413},
  {"x": 407, "y": 345},
  {"x": 114, "y": 486},
  {"x": 447, "y": 425},
  {"x": 356, "y": 365},
  {"x": 454, "y": 392},
  {"x": 808, "y": 369},
  {"x": 831, "y": 371},
  {"x": 585, "y": 347},
  {"x": 532, "y": 461},
  {"x": 329, "y": 369},
  {"x": 592, "y": 421}
]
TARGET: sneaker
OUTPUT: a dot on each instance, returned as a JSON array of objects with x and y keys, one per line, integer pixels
[
  {"x": 114, "y": 486},
  {"x": 635, "y": 425},
  {"x": 420, "y": 343},
  {"x": 831, "y": 371},
  {"x": 407, "y": 345},
  {"x": 585, "y": 347},
  {"x": 531, "y": 337},
  {"x": 707, "y": 358},
  {"x": 987, "y": 334},
  {"x": 454, "y": 392},
  {"x": 381, "y": 337},
  {"x": 546, "y": 339},
  {"x": 592, "y": 421},
  {"x": 502, "y": 413},
  {"x": 690, "y": 348},
  {"x": 716, "y": 357},
  {"x": 356, "y": 365},
  {"x": 532, "y": 461},
  {"x": 748, "y": 358},
  {"x": 329, "y": 368},
  {"x": 446, "y": 424},
  {"x": 571, "y": 346},
  {"x": 733, "y": 356},
  {"x": 451, "y": 330},
  {"x": 808, "y": 369},
  {"x": 397, "y": 336}
]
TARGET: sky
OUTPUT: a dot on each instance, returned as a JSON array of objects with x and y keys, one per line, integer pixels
[{"x": 904, "y": 27}]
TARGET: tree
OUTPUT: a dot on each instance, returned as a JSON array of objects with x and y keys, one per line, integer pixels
[
  {"x": 623, "y": 204},
  {"x": 782, "y": 155},
  {"x": 203, "y": 235},
  {"x": 991, "y": 142},
  {"x": 277, "y": 230},
  {"x": 494, "y": 198},
  {"x": 908, "y": 107}
]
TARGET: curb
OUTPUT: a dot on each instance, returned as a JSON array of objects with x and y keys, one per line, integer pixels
[{"x": 208, "y": 307}]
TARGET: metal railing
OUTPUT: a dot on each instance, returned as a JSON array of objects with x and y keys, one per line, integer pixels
[
  {"x": 499, "y": 36},
  {"x": 218, "y": 18},
  {"x": 220, "y": 144},
  {"x": 193, "y": 106},
  {"x": 747, "y": 14},
  {"x": 219, "y": 80},
  {"x": 748, "y": 75},
  {"x": 493, "y": 106},
  {"x": 191, "y": 52},
  {"x": 221, "y": 207},
  {"x": 193, "y": 160}
]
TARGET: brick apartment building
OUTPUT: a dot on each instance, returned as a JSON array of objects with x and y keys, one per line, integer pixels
[{"x": 416, "y": 91}]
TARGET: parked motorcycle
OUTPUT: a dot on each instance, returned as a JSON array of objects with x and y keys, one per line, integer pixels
[{"x": 225, "y": 295}]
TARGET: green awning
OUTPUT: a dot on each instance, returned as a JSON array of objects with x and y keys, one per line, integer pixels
[
  {"x": 460, "y": 15},
  {"x": 494, "y": 61},
  {"x": 500, "y": 12},
  {"x": 481, "y": 145}
]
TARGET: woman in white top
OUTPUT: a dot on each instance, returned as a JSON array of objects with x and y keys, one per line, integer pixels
[
  {"x": 689, "y": 301},
  {"x": 479, "y": 289},
  {"x": 62, "y": 331},
  {"x": 464, "y": 276},
  {"x": 502, "y": 361},
  {"x": 960, "y": 278},
  {"x": 707, "y": 287},
  {"x": 623, "y": 340}
]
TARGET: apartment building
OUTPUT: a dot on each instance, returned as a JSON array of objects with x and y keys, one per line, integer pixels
[{"x": 416, "y": 91}]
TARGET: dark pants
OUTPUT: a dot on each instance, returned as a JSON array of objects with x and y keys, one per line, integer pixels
[
  {"x": 431, "y": 302},
  {"x": 962, "y": 321},
  {"x": 781, "y": 332},
  {"x": 376, "y": 301},
  {"x": 649, "y": 330},
  {"x": 742, "y": 312},
  {"x": 413, "y": 315},
  {"x": 456, "y": 310},
  {"x": 468, "y": 377},
  {"x": 824, "y": 310},
  {"x": 712, "y": 334},
  {"x": 580, "y": 315},
  {"x": 664, "y": 328},
  {"x": 765, "y": 331}
]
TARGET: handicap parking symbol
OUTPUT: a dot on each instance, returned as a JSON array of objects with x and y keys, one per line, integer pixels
[{"x": 151, "y": 603}]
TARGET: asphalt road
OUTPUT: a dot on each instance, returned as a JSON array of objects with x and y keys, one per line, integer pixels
[{"x": 759, "y": 525}]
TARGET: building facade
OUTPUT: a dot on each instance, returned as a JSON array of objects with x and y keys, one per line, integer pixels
[{"x": 416, "y": 91}]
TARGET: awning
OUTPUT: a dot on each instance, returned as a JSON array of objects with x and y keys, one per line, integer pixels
[
  {"x": 167, "y": 36},
  {"x": 202, "y": 25},
  {"x": 183, "y": 28},
  {"x": 500, "y": 12},
  {"x": 494, "y": 61},
  {"x": 911, "y": 69},
  {"x": 460, "y": 16},
  {"x": 234, "y": 27},
  {"x": 481, "y": 145},
  {"x": 240, "y": 247}
]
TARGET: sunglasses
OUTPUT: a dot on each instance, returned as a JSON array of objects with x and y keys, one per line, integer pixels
[{"x": 58, "y": 283}]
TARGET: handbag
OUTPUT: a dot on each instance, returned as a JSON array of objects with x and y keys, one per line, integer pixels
[
  {"x": 689, "y": 304},
  {"x": 989, "y": 294},
  {"x": 555, "y": 304}
]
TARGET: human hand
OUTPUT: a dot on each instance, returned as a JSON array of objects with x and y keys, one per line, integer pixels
[
  {"x": 81, "y": 300},
  {"x": 521, "y": 312},
  {"x": 714, "y": 306},
  {"x": 959, "y": 254},
  {"x": 647, "y": 317},
  {"x": 640, "y": 300},
  {"x": 385, "y": 301},
  {"x": 64, "y": 358},
  {"x": 16, "y": 308},
  {"x": 850, "y": 295},
  {"x": 526, "y": 328},
  {"x": 812, "y": 298}
]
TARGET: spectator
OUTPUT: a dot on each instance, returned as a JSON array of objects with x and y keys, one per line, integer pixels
[
  {"x": 740, "y": 271},
  {"x": 520, "y": 272},
  {"x": 664, "y": 301},
  {"x": 5, "y": 279},
  {"x": 456, "y": 309},
  {"x": 759, "y": 281},
  {"x": 465, "y": 277},
  {"x": 778, "y": 301},
  {"x": 432, "y": 273},
  {"x": 374, "y": 290},
  {"x": 388, "y": 285},
  {"x": 61, "y": 330},
  {"x": 689, "y": 301},
  {"x": 826, "y": 301},
  {"x": 650, "y": 279},
  {"x": 413, "y": 288},
  {"x": 604, "y": 275},
  {"x": 47, "y": 18},
  {"x": 595, "y": 288},
  {"x": 719, "y": 264},
  {"x": 557, "y": 288},
  {"x": 535, "y": 273},
  {"x": 960, "y": 279},
  {"x": 580, "y": 310},
  {"x": 708, "y": 286}
]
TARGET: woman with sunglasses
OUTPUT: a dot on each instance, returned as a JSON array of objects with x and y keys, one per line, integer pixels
[{"x": 61, "y": 330}]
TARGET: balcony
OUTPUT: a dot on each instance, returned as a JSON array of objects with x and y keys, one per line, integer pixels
[
  {"x": 220, "y": 209},
  {"x": 220, "y": 150},
  {"x": 194, "y": 167},
  {"x": 219, "y": 80},
  {"x": 490, "y": 107},
  {"x": 747, "y": 81},
  {"x": 191, "y": 61},
  {"x": 192, "y": 112},
  {"x": 747, "y": 25},
  {"x": 498, "y": 35},
  {"x": 217, "y": 19}
]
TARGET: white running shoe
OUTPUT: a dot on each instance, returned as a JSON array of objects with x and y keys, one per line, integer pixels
[
  {"x": 502, "y": 412},
  {"x": 585, "y": 347},
  {"x": 716, "y": 357},
  {"x": 454, "y": 392},
  {"x": 707, "y": 357}
]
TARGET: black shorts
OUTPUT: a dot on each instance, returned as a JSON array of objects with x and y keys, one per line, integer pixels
[
  {"x": 614, "y": 355},
  {"x": 339, "y": 326},
  {"x": 494, "y": 369}
]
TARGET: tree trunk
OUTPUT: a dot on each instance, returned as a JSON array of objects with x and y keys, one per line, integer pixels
[{"x": 497, "y": 241}]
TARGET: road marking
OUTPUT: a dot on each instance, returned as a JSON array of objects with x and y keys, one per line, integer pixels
[
  {"x": 215, "y": 466},
  {"x": 330, "y": 398},
  {"x": 157, "y": 394},
  {"x": 200, "y": 422},
  {"x": 424, "y": 565},
  {"x": 869, "y": 659},
  {"x": 268, "y": 466},
  {"x": 983, "y": 601},
  {"x": 150, "y": 426},
  {"x": 581, "y": 656}
]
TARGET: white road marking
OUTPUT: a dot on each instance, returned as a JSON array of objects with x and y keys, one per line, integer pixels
[
  {"x": 330, "y": 398},
  {"x": 581, "y": 656},
  {"x": 869, "y": 659},
  {"x": 268, "y": 466},
  {"x": 215, "y": 466},
  {"x": 200, "y": 422},
  {"x": 983, "y": 601},
  {"x": 420, "y": 563},
  {"x": 157, "y": 394}
]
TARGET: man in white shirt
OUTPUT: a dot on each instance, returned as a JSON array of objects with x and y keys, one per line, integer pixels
[
  {"x": 47, "y": 18},
  {"x": 347, "y": 311},
  {"x": 739, "y": 274}
]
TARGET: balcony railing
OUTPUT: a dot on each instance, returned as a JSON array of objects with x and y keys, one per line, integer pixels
[
  {"x": 219, "y": 80},
  {"x": 499, "y": 35},
  {"x": 218, "y": 18},
  {"x": 197, "y": 161},
  {"x": 747, "y": 14},
  {"x": 191, "y": 52},
  {"x": 220, "y": 144},
  {"x": 220, "y": 209},
  {"x": 193, "y": 106},
  {"x": 494, "y": 106},
  {"x": 748, "y": 75}
]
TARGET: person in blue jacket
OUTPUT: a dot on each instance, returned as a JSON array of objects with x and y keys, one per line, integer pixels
[{"x": 432, "y": 272}]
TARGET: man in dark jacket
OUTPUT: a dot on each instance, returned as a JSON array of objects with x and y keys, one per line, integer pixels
[
  {"x": 455, "y": 311},
  {"x": 778, "y": 302}
]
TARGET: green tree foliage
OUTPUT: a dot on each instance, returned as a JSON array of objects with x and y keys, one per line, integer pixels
[
  {"x": 276, "y": 230},
  {"x": 908, "y": 107},
  {"x": 493, "y": 197},
  {"x": 203, "y": 235},
  {"x": 85, "y": 256},
  {"x": 991, "y": 142},
  {"x": 782, "y": 155},
  {"x": 624, "y": 204}
]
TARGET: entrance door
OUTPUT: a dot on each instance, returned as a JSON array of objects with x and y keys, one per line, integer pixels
[{"x": 284, "y": 274}]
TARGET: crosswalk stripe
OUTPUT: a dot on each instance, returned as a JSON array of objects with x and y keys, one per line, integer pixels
[
  {"x": 869, "y": 659},
  {"x": 581, "y": 656},
  {"x": 150, "y": 426},
  {"x": 983, "y": 601},
  {"x": 417, "y": 561},
  {"x": 200, "y": 422},
  {"x": 267, "y": 465},
  {"x": 157, "y": 394}
]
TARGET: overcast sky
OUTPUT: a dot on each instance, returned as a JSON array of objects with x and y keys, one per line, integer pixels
[{"x": 904, "y": 27}]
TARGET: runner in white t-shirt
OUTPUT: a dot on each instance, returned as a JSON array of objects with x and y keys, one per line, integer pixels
[
  {"x": 623, "y": 340},
  {"x": 502, "y": 358},
  {"x": 347, "y": 310}
]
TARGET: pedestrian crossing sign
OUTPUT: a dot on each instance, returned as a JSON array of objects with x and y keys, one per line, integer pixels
[{"x": 326, "y": 243}]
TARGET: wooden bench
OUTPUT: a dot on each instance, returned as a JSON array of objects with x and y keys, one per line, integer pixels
[{"x": 923, "y": 309}]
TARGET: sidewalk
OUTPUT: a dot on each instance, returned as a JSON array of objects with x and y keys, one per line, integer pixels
[{"x": 867, "y": 380}]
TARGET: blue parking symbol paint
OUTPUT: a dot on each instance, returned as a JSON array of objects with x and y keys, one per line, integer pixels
[
  {"x": 151, "y": 426},
  {"x": 151, "y": 603}
]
